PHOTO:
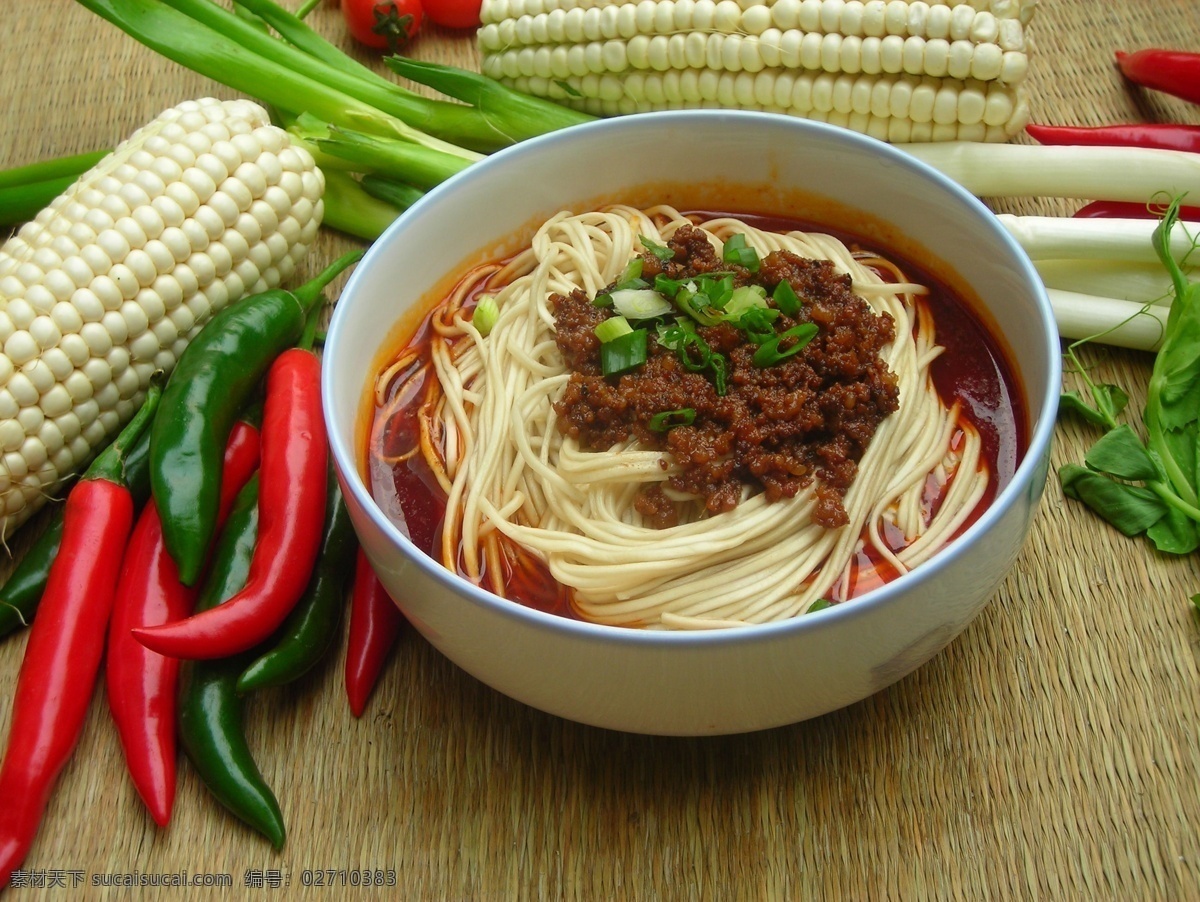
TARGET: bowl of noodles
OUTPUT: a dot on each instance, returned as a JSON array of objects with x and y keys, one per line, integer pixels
[{"x": 694, "y": 422}]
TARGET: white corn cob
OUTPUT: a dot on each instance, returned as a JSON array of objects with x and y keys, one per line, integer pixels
[
  {"x": 109, "y": 283},
  {"x": 901, "y": 70}
]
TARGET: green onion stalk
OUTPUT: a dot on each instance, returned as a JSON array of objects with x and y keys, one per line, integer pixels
[
  {"x": 398, "y": 159},
  {"x": 495, "y": 116},
  {"x": 302, "y": 72},
  {"x": 24, "y": 190},
  {"x": 389, "y": 141},
  {"x": 361, "y": 207},
  {"x": 456, "y": 124},
  {"x": 236, "y": 59},
  {"x": 398, "y": 194},
  {"x": 350, "y": 209}
]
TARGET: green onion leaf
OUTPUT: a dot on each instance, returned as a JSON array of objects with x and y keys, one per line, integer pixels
[
  {"x": 738, "y": 252},
  {"x": 768, "y": 353},
  {"x": 487, "y": 311},
  {"x": 663, "y": 253},
  {"x": 612, "y": 328},
  {"x": 785, "y": 298},
  {"x": 819, "y": 605},
  {"x": 623, "y": 353},
  {"x": 669, "y": 419}
]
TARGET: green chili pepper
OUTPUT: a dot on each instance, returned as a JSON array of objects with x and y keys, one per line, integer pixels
[
  {"x": 308, "y": 633},
  {"x": 212, "y": 380},
  {"x": 137, "y": 466},
  {"x": 210, "y": 710},
  {"x": 22, "y": 590}
]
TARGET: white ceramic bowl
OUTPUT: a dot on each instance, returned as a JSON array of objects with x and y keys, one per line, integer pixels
[{"x": 733, "y": 680}]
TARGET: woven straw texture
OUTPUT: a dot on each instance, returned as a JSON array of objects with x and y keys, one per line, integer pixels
[{"x": 1051, "y": 752}]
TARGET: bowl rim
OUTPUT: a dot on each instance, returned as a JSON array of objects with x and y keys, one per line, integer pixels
[{"x": 1039, "y": 441}]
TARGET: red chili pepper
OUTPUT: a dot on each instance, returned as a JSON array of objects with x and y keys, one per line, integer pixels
[
  {"x": 1158, "y": 135},
  {"x": 374, "y": 624},
  {"x": 1116, "y": 209},
  {"x": 291, "y": 518},
  {"x": 142, "y": 684},
  {"x": 1171, "y": 71},
  {"x": 66, "y": 643}
]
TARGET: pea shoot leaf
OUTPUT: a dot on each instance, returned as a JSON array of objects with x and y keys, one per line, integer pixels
[
  {"x": 1174, "y": 534},
  {"x": 1172, "y": 411},
  {"x": 1132, "y": 509},
  {"x": 1109, "y": 401},
  {"x": 1121, "y": 453},
  {"x": 1149, "y": 487}
]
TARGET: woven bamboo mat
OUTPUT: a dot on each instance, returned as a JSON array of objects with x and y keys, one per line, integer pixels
[{"x": 1051, "y": 752}]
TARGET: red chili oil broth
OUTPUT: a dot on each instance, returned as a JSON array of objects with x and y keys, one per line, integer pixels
[{"x": 973, "y": 370}]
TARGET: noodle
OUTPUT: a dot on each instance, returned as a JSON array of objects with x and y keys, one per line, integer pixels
[{"x": 511, "y": 476}]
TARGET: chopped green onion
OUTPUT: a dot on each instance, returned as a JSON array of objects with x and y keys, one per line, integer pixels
[
  {"x": 704, "y": 352},
  {"x": 785, "y": 298},
  {"x": 631, "y": 279},
  {"x": 660, "y": 251},
  {"x": 719, "y": 290},
  {"x": 640, "y": 303},
  {"x": 633, "y": 270},
  {"x": 487, "y": 311},
  {"x": 716, "y": 363},
  {"x": 758, "y": 324},
  {"x": 667, "y": 287},
  {"x": 743, "y": 299},
  {"x": 698, "y": 306},
  {"x": 623, "y": 353},
  {"x": 613, "y": 327},
  {"x": 681, "y": 338},
  {"x": 819, "y": 605},
  {"x": 605, "y": 298},
  {"x": 738, "y": 252},
  {"x": 671, "y": 336},
  {"x": 669, "y": 419},
  {"x": 769, "y": 354}
]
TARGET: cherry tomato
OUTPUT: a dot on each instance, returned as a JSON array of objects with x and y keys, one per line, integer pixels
[
  {"x": 383, "y": 24},
  {"x": 454, "y": 13}
]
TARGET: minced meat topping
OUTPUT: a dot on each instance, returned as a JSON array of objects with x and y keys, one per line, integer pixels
[{"x": 775, "y": 427}]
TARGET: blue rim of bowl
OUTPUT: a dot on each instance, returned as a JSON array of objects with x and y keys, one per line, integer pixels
[{"x": 1038, "y": 446}]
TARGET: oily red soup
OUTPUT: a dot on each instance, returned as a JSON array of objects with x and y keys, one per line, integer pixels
[{"x": 971, "y": 375}]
